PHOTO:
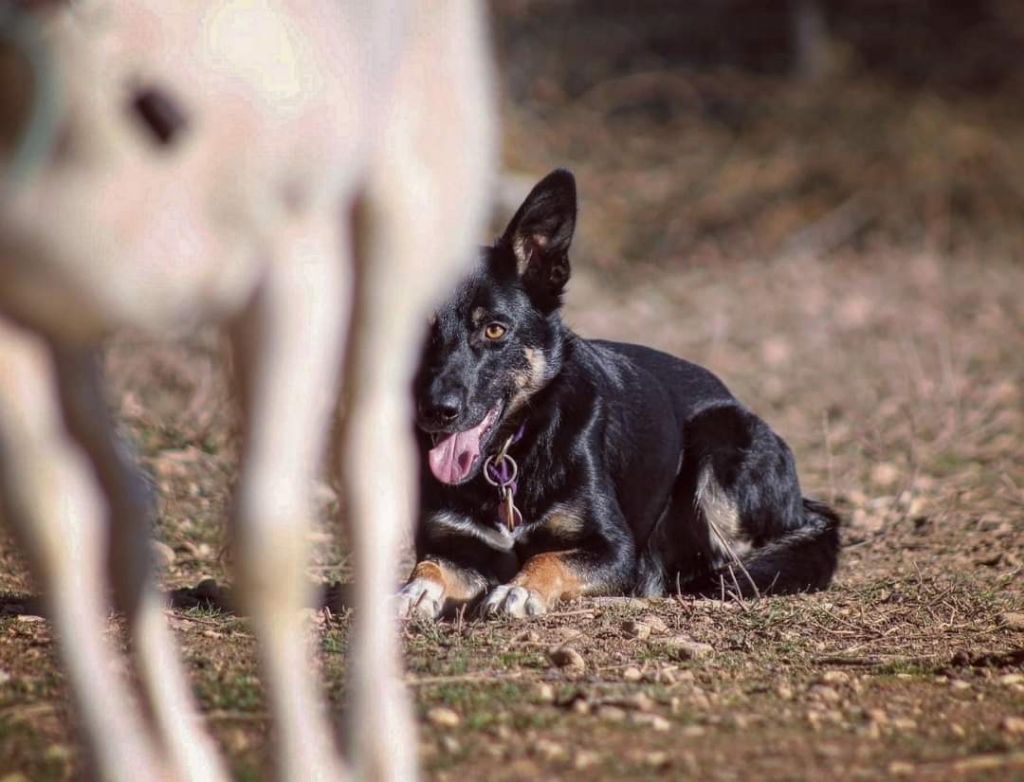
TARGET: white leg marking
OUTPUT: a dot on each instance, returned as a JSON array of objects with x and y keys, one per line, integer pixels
[
  {"x": 514, "y": 601},
  {"x": 421, "y": 597}
]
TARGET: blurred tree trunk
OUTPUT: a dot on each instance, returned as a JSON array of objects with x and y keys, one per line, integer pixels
[{"x": 811, "y": 46}]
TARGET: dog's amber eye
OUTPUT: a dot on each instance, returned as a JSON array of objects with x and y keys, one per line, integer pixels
[{"x": 494, "y": 331}]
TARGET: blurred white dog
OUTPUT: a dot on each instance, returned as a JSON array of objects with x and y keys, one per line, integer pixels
[{"x": 268, "y": 165}]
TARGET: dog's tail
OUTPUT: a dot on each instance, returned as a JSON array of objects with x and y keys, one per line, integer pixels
[{"x": 803, "y": 559}]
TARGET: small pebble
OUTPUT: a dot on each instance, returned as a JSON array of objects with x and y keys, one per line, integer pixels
[
  {"x": 567, "y": 657},
  {"x": 638, "y": 630},
  {"x": 545, "y": 693},
  {"x": 653, "y": 721},
  {"x": 824, "y": 693},
  {"x": 549, "y": 750},
  {"x": 683, "y": 648},
  {"x": 877, "y": 715},
  {"x": 584, "y": 759},
  {"x": 639, "y": 701},
  {"x": 1014, "y": 725},
  {"x": 632, "y": 674},
  {"x": 657, "y": 759},
  {"x": 885, "y": 474},
  {"x": 656, "y": 623},
  {"x": 835, "y": 677},
  {"x": 443, "y": 717},
  {"x": 611, "y": 714}
]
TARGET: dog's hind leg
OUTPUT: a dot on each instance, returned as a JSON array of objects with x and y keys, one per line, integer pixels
[
  {"x": 289, "y": 346},
  {"x": 424, "y": 207},
  {"x": 760, "y": 535},
  {"x": 49, "y": 497},
  {"x": 170, "y": 703}
]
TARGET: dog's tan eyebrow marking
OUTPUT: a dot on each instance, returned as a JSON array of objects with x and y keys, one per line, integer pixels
[{"x": 478, "y": 315}]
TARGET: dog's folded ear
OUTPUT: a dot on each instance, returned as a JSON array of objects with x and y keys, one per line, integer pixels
[{"x": 540, "y": 233}]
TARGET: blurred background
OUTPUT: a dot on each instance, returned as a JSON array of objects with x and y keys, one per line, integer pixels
[{"x": 728, "y": 128}]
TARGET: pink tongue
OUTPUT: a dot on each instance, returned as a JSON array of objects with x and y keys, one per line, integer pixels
[{"x": 452, "y": 459}]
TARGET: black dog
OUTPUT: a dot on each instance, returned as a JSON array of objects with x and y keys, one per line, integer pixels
[{"x": 555, "y": 466}]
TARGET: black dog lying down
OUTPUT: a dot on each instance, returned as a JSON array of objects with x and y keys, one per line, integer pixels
[{"x": 556, "y": 466}]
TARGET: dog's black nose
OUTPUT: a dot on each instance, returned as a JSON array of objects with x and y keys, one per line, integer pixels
[{"x": 442, "y": 409}]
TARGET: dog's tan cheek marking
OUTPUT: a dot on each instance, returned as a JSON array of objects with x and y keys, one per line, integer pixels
[
  {"x": 551, "y": 577},
  {"x": 455, "y": 585},
  {"x": 538, "y": 365},
  {"x": 531, "y": 377}
]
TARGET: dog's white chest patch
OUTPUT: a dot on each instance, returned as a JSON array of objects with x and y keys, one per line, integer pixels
[{"x": 496, "y": 536}]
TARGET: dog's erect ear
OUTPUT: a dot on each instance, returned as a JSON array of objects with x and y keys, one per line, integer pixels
[{"x": 541, "y": 231}]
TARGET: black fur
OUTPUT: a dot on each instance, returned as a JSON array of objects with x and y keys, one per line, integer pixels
[{"x": 632, "y": 449}]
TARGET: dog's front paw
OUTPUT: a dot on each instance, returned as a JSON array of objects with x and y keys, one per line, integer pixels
[
  {"x": 517, "y": 601},
  {"x": 421, "y": 598}
]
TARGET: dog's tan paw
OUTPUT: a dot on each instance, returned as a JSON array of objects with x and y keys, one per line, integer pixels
[
  {"x": 421, "y": 598},
  {"x": 517, "y": 601}
]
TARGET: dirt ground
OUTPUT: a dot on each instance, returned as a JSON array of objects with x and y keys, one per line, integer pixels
[
  {"x": 894, "y": 370},
  {"x": 898, "y": 383}
]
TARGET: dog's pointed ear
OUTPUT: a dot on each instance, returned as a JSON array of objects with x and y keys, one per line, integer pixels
[{"x": 541, "y": 231}]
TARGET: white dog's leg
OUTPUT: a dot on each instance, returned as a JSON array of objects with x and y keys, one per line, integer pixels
[
  {"x": 49, "y": 497},
  {"x": 424, "y": 210},
  {"x": 289, "y": 348},
  {"x": 378, "y": 471},
  {"x": 188, "y": 748}
]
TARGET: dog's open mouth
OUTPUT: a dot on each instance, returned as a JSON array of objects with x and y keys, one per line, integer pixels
[{"x": 454, "y": 456}]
